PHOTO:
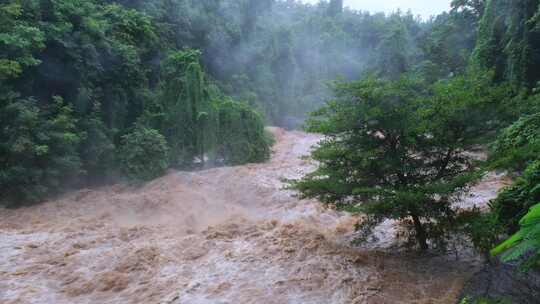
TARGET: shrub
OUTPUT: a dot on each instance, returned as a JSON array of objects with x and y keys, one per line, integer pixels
[{"x": 144, "y": 154}]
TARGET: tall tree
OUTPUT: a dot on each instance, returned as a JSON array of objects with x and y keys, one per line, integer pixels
[
  {"x": 393, "y": 150},
  {"x": 393, "y": 56},
  {"x": 474, "y": 8},
  {"x": 189, "y": 119},
  {"x": 335, "y": 7}
]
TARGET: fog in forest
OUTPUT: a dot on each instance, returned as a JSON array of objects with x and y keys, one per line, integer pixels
[{"x": 424, "y": 8}]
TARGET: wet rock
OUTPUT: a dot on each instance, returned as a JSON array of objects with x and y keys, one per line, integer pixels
[{"x": 503, "y": 281}]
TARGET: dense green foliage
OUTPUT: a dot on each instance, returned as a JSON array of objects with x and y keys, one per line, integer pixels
[
  {"x": 516, "y": 149},
  {"x": 144, "y": 154},
  {"x": 241, "y": 138},
  {"x": 508, "y": 41},
  {"x": 518, "y": 144},
  {"x": 38, "y": 148},
  {"x": 188, "y": 115},
  {"x": 509, "y": 45},
  {"x": 199, "y": 122},
  {"x": 76, "y": 76},
  {"x": 513, "y": 202}
]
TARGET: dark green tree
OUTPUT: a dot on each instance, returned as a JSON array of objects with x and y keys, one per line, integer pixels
[
  {"x": 394, "y": 150},
  {"x": 188, "y": 114},
  {"x": 19, "y": 39},
  {"x": 393, "y": 57},
  {"x": 474, "y": 8}
]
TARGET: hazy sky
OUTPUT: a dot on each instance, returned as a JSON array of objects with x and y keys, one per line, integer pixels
[{"x": 425, "y": 8}]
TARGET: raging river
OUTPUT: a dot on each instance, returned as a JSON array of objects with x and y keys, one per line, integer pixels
[{"x": 224, "y": 235}]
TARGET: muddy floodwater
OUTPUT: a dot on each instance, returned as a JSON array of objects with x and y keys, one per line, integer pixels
[{"x": 226, "y": 235}]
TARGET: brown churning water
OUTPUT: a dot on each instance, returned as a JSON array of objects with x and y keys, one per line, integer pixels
[{"x": 224, "y": 235}]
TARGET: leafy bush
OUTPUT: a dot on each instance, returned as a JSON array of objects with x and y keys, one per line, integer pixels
[
  {"x": 144, "y": 154},
  {"x": 525, "y": 244}
]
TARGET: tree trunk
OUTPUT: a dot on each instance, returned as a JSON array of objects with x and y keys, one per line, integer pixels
[{"x": 421, "y": 237}]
